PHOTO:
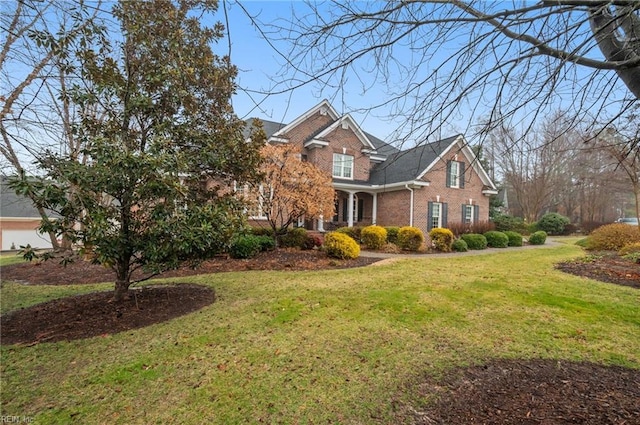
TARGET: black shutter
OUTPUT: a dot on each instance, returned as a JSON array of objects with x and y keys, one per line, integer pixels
[
  {"x": 429, "y": 216},
  {"x": 464, "y": 208},
  {"x": 443, "y": 213},
  {"x": 448, "y": 173},
  {"x": 476, "y": 213},
  {"x": 461, "y": 177}
]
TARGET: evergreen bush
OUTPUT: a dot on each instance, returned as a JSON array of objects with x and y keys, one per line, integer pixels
[
  {"x": 392, "y": 234},
  {"x": 538, "y": 238},
  {"x": 374, "y": 237},
  {"x": 475, "y": 241},
  {"x": 515, "y": 238},
  {"x": 295, "y": 238},
  {"x": 246, "y": 246},
  {"x": 442, "y": 239},
  {"x": 496, "y": 239},
  {"x": 340, "y": 245},
  {"x": 459, "y": 245},
  {"x": 553, "y": 223},
  {"x": 410, "y": 238}
]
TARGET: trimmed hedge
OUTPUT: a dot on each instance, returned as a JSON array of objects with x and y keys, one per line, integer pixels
[
  {"x": 392, "y": 234},
  {"x": 553, "y": 223},
  {"x": 538, "y": 238},
  {"x": 246, "y": 246},
  {"x": 410, "y": 238},
  {"x": 459, "y": 245},
  {"x": 340, "y": 245},
  {"x": 352, "y": 232},
  {"x": 442, "y": 239},
  {"x": 475, "y": 241},
  {"x": 374, "y": 237},
  {"x": 295, "y": 238},
  {"x": 496, "y": 239},
  {"x": 515, "y": 238}
]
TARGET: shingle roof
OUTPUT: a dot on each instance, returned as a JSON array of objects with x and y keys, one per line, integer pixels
[
  {"x": 14, "y": 205},
  {"x": 407, "y": 165}
]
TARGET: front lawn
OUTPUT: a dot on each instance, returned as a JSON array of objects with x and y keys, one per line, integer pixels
[{"x": 337, "y": 346}]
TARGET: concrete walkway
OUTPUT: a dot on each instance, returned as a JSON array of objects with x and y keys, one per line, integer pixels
[{"x": 375, "y": 254}]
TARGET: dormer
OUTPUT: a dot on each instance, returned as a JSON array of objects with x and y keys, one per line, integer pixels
[{"x": 323, "y": 108}]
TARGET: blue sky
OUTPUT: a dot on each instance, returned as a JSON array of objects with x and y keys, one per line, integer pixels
[{"x": 258, "y": 63}]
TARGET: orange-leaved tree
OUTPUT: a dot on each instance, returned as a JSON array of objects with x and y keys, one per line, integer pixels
[{"x": 292, "y": 188}]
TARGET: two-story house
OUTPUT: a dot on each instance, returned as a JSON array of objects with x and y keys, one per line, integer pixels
[{"x": 428, "y": 186}]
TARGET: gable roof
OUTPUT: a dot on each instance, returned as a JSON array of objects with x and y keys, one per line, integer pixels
[{"x": 410, "y": 164}]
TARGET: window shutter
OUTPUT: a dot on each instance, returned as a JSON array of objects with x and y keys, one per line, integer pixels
[
  {"x": 444, "y": 215},
  {"x": 476, "y": 213},
  {"x": 448, "y": 173},
  {"x": 429, "y": 216},
  {"x": 461, "y": 180},
  {"x": 463, "y": 214}
]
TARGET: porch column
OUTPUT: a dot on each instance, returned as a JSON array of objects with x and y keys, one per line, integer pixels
[
  {"x": 350, "y": 210},
  {"x": 321, "y": 223},
  {"x": 374, "y": 212}
]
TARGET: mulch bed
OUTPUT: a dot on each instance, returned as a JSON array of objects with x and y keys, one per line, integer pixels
[
  {"x": 549, "y": 392},
  {"x": 605, "y": 267},
  {"x": 507, "y": 392}
]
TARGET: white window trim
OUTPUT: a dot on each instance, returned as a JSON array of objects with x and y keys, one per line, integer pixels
[
  {"x": 340, "y": 158},
  {"x": 438, "y": 216},
  {"x": 468, "y": 214},
  {"x": 454, "y": 176}
]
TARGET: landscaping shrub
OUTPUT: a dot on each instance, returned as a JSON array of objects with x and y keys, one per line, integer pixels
[
  {"x": 312, "y": 241},
  {"x": 374, "y": 237},
  {"x": 584, "y": 242},
  {"x": 538, "y": 238},
  {"x": 459, "y": 245},
  {"x": 588, "y": 227},
  {"x": 410, "y": 238},
  {"x": 515, "y": 238},
  {"x": 392, "y": 234},
  {"x": 353, "y": 232},
  {"x": 267, "y": 243},
  {"x": 295, "y": 238},
  {"x": 246, "y": 246},
  {"x": 553, "y": 223},
  {"x": 613, "y": 237},
  {"x": 496, "y": 239},
  {"x": 340, "y": 245},
  {"x": 505, "y": 223},
  {"x": 475, "y": 240},
  {"x": 631, "y": 248},
  {"x": 442, "y": 239},
  {"x": 479, "y": 227},
  {"x": 262, "y": 231}
]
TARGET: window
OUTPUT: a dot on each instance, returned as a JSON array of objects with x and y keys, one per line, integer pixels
[
  {"x": 455, "y": 174},
  {"x": 253, "y": 200},
  {"x": 436, "y": 217},
  {"x": 342, "y": 166},
  {"x": 467, "y": 217}
]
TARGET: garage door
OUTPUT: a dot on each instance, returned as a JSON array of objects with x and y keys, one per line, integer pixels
[{"x": 24, "y": 237}]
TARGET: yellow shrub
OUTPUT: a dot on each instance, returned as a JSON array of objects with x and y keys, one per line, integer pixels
[
  {"x": 410, "y": 238},
  {"x": 374, "y": 237},
  {"x": 631, "y": 248},
  {"x": 613, "y": 237},
  {"x": 339, "y": 245},
  {"x": 442, "y": 239}
]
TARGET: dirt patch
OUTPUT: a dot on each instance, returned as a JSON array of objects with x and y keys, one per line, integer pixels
[
  {"x": 522, "y": 392},
  {"x": 86, "y": 316},
  {"x": 605, "y": 267}
]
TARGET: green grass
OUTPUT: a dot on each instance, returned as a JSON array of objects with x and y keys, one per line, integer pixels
[
  {"x": 322, "y": 347},
  {"x": 10, "y": 258}
]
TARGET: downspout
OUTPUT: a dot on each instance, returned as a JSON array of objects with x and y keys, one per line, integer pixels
[{"x": 410, "y": 205}]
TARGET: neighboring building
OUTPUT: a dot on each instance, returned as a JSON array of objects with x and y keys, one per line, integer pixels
[
  {"x": 427, "y": 186},
  {"x": 19, "y": 221}
]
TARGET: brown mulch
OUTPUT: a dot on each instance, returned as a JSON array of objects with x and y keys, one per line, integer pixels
[
  {"x": 528, "y": 392},
  {"x": 501, "y": 392},
  {"x": 605, "y": 267}
]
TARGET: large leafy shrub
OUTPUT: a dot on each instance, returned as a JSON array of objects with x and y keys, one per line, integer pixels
[
  {"x": 410, "y": 238},
  {"x": 475, "y": 240},
  {"x": 631, "y": 248},
  {"x": 340, "y": 245},
  {"x": 442, "y": 239},
  {"x": 459, "y": 245},
  {"x": 553, "y": 223},
  {"x": 538, "y": 238},
  {"x": 505, "y": 223},
  {"x": 496, "y": 239},
  {"x": 613, "y": 237},
  {"x": 374, "y": 237},
  {"x": 515, "y": 238}
]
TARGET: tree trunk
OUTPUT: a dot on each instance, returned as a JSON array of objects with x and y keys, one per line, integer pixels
[{"x": 121, "y": 290}]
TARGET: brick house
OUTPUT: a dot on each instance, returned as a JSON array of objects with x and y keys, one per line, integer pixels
[{"x": 427, "y": 186}]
